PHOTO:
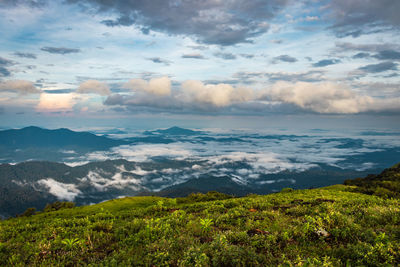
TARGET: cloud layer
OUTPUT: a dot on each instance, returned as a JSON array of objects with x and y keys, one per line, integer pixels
[
  {"x": 195, "y": 96},
  {"x": 211, "y": 22}
]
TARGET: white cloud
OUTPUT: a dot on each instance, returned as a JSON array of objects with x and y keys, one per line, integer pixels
[
  {"x": 93, "y": 87},
  {"x": 156, "y": 86},
  {"x": 19, "y": 86},
  {"x": 118, "y": 180},
  {"x": 56, "y": 102},
  {"x": 219, "y": 95},
  {"x": 141, "y": 153},
  {"x": 60, "y": 190}
]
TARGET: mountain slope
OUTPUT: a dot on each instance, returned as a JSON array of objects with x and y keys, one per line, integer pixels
[
  {"x": 320, "y": 227},
  {"x": 385, "y": 184},
  {"x": 36, "y": 183}
]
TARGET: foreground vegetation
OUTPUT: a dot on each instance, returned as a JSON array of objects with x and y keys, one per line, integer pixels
[
  {"x": 329, "y": 226},
  {"x": 385, "y": 184}
]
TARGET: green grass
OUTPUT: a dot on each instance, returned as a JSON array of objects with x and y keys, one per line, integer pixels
[{"x": 328, "y": 226}]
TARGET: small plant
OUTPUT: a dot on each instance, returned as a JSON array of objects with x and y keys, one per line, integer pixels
[
  {"x": 72, "y": 243},
  {"x": 206, "y": 224}
]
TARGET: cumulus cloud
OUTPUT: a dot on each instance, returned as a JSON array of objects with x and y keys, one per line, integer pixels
[
  {"x": 94, "y": 87},
  {"x": 321, "y": 98},
  {"x": 193, "y": 96},
  {"x": 19, "y": 86},
  {"x": 60, "y": 50},
  {"x": 216, "y": 94},
  {"x": 328, "y": 97},
  {"x": 156, "y": 86},
  {"x": 212, "y": 22}
]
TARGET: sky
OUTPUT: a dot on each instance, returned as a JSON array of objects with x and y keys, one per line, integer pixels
[{"x": 199, "y": 63}]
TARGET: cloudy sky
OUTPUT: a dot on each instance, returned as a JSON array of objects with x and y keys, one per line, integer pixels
[{"x": 95, "y": 59}]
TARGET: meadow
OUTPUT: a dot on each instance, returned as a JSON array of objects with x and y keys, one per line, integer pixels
[{"x": 329, "y": 226}]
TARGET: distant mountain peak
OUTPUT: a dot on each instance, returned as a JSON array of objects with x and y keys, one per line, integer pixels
[{"x": 33, "y": 136}]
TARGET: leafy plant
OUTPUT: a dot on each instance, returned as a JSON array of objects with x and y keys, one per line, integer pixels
[
  {"x": 206, "y": 224},
  {"x": 72, "y": 243}
]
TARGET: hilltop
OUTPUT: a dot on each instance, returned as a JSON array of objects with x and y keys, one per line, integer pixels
[{"x": 331, "y": 226}]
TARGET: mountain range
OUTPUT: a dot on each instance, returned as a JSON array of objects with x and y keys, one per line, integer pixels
[
  {"x": 32, "y": 142},
  {"x": 41, "y": 166}
]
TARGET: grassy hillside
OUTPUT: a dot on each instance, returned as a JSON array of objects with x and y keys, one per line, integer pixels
[
  {"x": 385, "y": 184},
  {"x": 326, "y": 226}
]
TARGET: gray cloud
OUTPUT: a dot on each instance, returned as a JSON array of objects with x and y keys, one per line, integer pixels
[
  {"x": 357, "y": 17},
  {"x": 285, "y": 58},
  {"x": 388, "y": 55},
  {"x": 226, "y": 56},
  {"x": 159, "y": 60},
  {"x": 60, "y": 50},
  {"x": 392, "y": 75},
  {"x": 58, "y": 91},
  {"x": 361, "y": 55},
  {"x": 193, "y": 55},
  {"x": 32, "y": 3},
  {"x": 247, "y": 55},
  {"x": 251, "y": 77},
  {"x": 211, "y": 22},
  {"x": 25, "y": 55},
  {"x": 4, "y": 63},
  {"x": 198, "y": 47},
  {"x": 121, "y": 21},
  {"x": 276, "y": 41},
  {"x": 4, "y": 72},
  {"x": 115, "y": 99},
  {"x": 380, "y": 67},
  {"x": 325, "y": 62},
  {"x": 345, "y": 47}
]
